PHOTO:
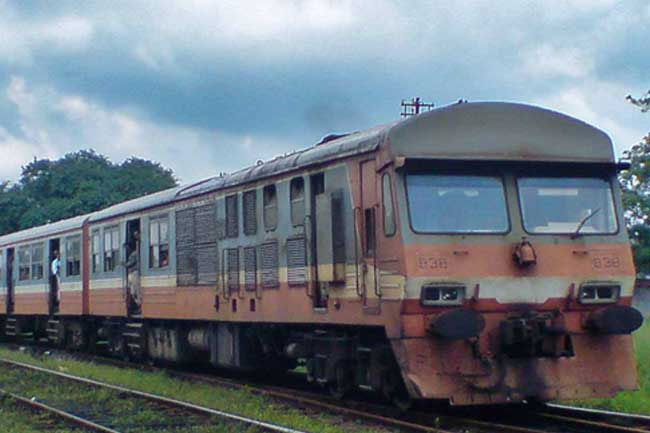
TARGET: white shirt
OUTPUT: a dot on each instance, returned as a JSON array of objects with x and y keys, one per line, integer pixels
[{"x": 56, "y": 266}]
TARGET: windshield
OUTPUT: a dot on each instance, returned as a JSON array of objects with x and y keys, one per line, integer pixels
[
  {"x": 456, "y": 204},
  {"x": 561, "y": 205}
]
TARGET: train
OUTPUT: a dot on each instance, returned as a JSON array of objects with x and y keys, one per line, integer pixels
[{"x": 475, "y": 253}]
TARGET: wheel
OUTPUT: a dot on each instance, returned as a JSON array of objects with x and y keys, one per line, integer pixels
[
  {"x": 395, "y": 390},
  {"x": 343, "y": 381}
]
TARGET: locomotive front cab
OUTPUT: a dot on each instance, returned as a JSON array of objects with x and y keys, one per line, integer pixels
[{"x": 519, "y": 274}]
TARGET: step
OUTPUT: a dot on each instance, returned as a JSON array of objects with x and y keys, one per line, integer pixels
[
  {"x": 131, "y": 334},
  {"x": 134, "y": 325}
]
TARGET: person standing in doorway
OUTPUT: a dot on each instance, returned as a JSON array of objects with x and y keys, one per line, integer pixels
[
  {"x": 55, "y": 271},
  {"x": 133, "y": 273}
]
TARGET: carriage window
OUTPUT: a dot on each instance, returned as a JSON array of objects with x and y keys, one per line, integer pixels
[
  {"x": 389, "y": 213},
  {"x": 250, "y": 212},
  {"x": 96, "y": 251},
  {"x": 456, "y": 203},
  {"x": 564, "y": 205},
  {"x": 24, "y": 263},
  {"x": 297, "y": 198},
  {"x": 111, "y": 248},
  {"x": 270, "y": 207},
  {"x": 158, "y": 242},
  {"x": 37, "y": 261},
  {"x": 73, "y": 256}
]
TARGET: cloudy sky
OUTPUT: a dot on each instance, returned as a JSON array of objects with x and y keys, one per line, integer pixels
[{"x": 208, "y": 86}]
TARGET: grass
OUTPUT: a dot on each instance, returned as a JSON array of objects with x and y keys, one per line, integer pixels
[
  {"x": 632, "y": 401},
  {"x": 238, "y": 401},
  {"x": 17, "y": 419},
  {"x": 108, "y": 407}
]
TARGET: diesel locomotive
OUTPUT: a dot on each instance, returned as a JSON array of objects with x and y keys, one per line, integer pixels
[{"x": 475, "y": 253}]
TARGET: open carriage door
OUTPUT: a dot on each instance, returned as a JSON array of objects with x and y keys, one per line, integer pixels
[
  {"x": 53, "y": 279},
  {"x": 367, "y": 217},
  {"x": 133, "y": 268},
  {"x": 10, "y": 280}
]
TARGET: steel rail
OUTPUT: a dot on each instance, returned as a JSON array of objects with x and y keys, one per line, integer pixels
[
  {"x": 599, "y": 412},
  {"x": 159, "y": 399},
  {"x": 313, "y": 400},
  {"x": 593, "y": 424},
  {"x": 71, "y": 418}
]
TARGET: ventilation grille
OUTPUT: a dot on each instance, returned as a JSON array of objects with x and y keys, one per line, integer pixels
[
  {"x": 250, "y": 268},
  {"x": 233, "y": 269},
  {"x": 250, "y": 213},
  {"x": 269, "y": 252},
  {"x": 296, "y": 261},
  {"x": 232, "y": 220}
]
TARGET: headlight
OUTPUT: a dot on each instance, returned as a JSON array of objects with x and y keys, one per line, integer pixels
[
  {"x": 442, "y": 294},
  {"x": 599, "y": 293}
]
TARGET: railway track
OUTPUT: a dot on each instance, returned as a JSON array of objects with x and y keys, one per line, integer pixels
[
  {"x": 67, "y": 417},
  {"x": 181, "y": 409},
  {"x": 519, "y": 419}
]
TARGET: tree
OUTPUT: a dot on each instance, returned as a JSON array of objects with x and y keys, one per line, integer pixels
[
  {"x": 76, "y": 184},
  {"x": 635, "y": 183},
  {"x": 643, "y": 102}
]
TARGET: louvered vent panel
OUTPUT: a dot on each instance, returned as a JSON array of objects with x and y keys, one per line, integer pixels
[
  {"x": 250, "y": 213},
  {"x": 185, "y": 226},
  {"x": 232, "y": 217},
  {"x": 296, "y": 261},
  {"x": 233, "y": 269},
  {"x": 269, "y": 268},
  {"x": 208, "y": 259},
  {"x": 185, "y": 263},
  {"x": 185, "y": 266},
  {"x": 250, "y": 268},
  {"x": 206, "y": 223}
]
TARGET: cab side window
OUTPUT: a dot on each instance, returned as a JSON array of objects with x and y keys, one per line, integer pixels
[{"x": 389, "y": 210}]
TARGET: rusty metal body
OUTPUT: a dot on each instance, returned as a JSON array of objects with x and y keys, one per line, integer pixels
[{"x": 375, "y": 259}]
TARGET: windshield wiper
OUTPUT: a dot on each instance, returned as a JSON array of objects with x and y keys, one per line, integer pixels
[{"x": 583, "y": 222}]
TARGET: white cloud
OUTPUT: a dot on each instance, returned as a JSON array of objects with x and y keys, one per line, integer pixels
[
  {"x": 602, "y": 104},
  {"x": 548, "y": 62},
  {"x": 21, "y": 36},
  {"x": 54, "y": 123}
]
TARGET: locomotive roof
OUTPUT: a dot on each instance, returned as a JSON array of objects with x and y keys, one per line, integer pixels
[
  {"x": 478, "y": 131},
  {"x": 500, "y": 131}
]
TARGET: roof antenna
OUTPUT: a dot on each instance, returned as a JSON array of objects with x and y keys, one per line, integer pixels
[{"x": 415, "y": 106}]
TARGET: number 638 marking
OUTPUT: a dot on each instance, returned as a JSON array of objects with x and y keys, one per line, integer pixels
[{"x": 606, "y": 262}]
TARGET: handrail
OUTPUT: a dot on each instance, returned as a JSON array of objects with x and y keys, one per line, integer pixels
[
  {"x": 374, "y": 255},
  {"x": 356, "y": 250},
  {"x": 308, "y": 255},
  {"x": 226, "y": 290}
]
